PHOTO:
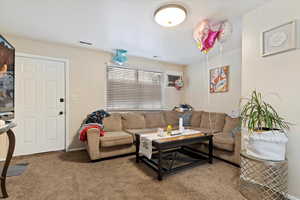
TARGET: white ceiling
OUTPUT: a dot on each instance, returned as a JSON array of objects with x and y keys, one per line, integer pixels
[{"x": 128, "y": 24}]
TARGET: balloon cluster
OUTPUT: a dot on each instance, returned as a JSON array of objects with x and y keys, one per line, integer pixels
[{"x": 206, "y": 34}]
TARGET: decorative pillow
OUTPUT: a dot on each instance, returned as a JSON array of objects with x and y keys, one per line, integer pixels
[
  {"x": 171, "y": 118},
  {"x": 113, "y": 122},
  {"x": 213, "y": 120},
  {"x": 154, "y": 120},
  {"x": 196, "y": 118},
  {"x": 231, "y": 123},
  {"x": 133, "y": 120},
  {"x": 186, "y": 117},
  {"x": 236, "y": 130}
]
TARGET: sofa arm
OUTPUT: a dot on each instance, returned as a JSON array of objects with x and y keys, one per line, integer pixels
[
  {"x": 237, "y": 148},
  {"x": 93, "y": 142}
]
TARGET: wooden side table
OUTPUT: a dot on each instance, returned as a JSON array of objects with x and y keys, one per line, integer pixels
[
  {"x": 263, "y": 179},
  {"x": 11, "y": 137}
]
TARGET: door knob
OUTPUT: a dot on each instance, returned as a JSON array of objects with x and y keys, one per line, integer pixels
[{"x": 61, "y": 113}]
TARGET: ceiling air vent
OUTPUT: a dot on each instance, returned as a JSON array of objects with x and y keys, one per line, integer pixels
[{"x": 86, "y": 43}]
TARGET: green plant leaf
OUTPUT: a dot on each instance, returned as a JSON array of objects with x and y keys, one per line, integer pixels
[{"x": 257, "y": 114}]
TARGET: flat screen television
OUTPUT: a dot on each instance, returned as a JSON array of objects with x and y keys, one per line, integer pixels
[{"x": 7, "y": 79}]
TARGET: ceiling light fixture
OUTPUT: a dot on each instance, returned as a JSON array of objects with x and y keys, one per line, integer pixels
[{"x": 170, "y": 15}]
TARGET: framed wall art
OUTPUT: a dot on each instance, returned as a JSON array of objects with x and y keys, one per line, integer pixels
[
  {"x": 279, "y": 39},
  {"x": 171, "y": 77},
  {"x": 219, "y": 79}
]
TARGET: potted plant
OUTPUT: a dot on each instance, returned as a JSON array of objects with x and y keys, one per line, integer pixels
[{"x": 266, "y": 138}]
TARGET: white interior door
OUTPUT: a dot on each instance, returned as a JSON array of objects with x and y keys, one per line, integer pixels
[{"x": 39, "y": 105}]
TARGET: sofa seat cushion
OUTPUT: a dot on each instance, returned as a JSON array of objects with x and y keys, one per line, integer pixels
[
  {"x": 154, "y": 120},
  {"x": 142, "y": 131},
  {"x": 116, "y": 138},
  {"x": 224, "y": 141},
  {"x": 133, "y": 120}
]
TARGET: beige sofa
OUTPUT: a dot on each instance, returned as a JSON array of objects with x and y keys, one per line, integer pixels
[{"x": 121, "y": 128}]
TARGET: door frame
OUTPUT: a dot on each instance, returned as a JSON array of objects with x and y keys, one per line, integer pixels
[{"x": 67, "y": 90}]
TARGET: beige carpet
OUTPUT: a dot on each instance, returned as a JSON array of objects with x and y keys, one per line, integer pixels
[{"x": 68, "y": 176}]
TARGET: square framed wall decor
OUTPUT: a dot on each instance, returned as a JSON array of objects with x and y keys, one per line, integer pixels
[
  {"x": 171, "y": 77},
  {"x": 279, "y": 39},
  {"x": 219, "y": 79}
]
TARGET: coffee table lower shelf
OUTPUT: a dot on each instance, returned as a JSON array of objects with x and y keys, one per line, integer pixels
[{"x": 171, "y": 161}]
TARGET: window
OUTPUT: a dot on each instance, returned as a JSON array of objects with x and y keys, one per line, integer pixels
[{"x": 133, "y": 89}]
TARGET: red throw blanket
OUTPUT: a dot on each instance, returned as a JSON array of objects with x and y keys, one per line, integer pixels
[{"x": 83, "y": 130}]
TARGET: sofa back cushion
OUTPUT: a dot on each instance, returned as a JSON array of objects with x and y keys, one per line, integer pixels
[
  {"x": 196, "y": 118},
  {"x": 230, "y": 124},
  {"x": 133, "y": 120},
  {"x": 213, "y": 121},
  {"x": 154, "y": 120},
  {"x": 113, "y": 122},
  {"x": 171, "y": 118}
]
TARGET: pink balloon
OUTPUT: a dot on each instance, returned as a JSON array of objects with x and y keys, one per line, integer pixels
[{"x": 210, "y": 40}]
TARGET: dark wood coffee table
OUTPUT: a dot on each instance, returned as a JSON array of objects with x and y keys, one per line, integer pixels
[{"x": 172, "y": 154}]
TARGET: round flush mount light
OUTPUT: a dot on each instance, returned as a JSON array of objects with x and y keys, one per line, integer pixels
[{"x": 170, "y": 15}]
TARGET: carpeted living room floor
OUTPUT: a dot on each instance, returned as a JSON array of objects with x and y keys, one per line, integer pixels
[{"x": 69, "y": 176}]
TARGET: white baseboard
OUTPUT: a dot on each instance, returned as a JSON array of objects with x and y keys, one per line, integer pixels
[
  {"x": 76, "y": 149},
  {"x": 290, "y": 197}
]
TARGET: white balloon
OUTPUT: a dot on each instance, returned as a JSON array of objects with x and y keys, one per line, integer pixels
[
  {"x": 201, "y": 31},
  {"x": 225, "y": 32}
]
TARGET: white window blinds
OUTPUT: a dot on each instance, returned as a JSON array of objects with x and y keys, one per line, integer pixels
[{"x": 133, "y": 89}]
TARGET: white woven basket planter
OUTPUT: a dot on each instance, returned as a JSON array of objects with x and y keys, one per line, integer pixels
[{"x": 267, "y": 145}]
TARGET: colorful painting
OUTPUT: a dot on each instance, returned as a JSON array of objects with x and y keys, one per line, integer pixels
[{"x": 219, "y": 79}]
